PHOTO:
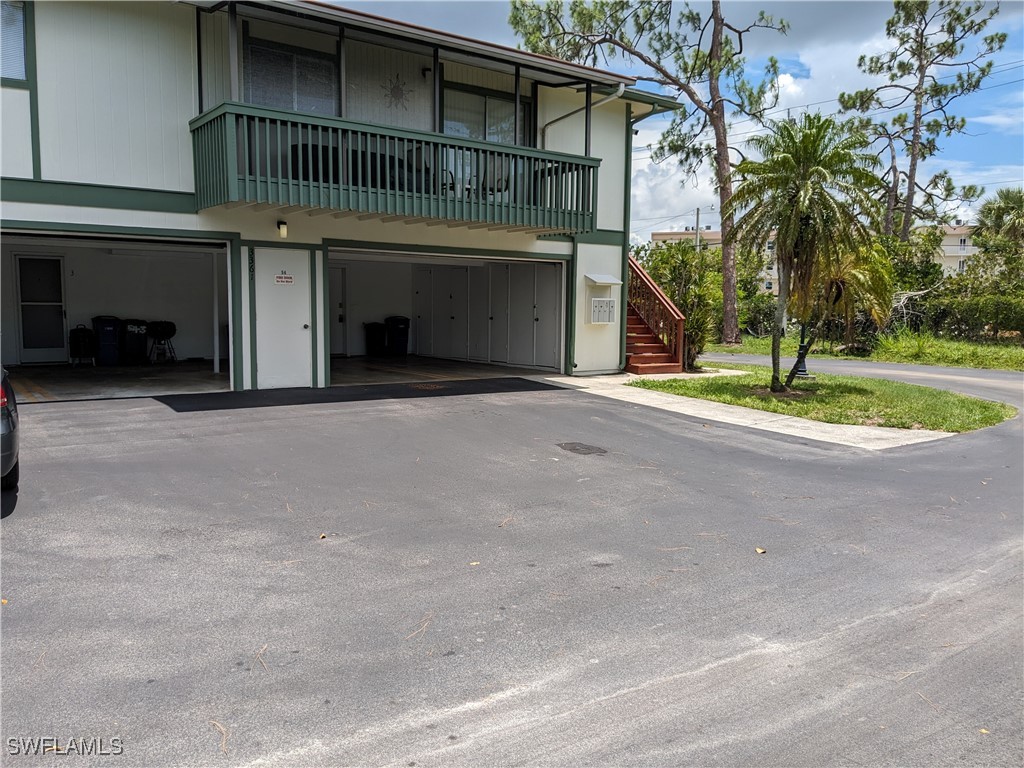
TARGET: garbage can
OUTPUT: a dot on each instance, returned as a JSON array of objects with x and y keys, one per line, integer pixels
[
  {"x": 397, "y": 335},
  {"x": 134, "y": 342},
  {"x": 82, "y": 344},
  {"x": 376, "y": 339},
  {"x": 106, "y": 328}
]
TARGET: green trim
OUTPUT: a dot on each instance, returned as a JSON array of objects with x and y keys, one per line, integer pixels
[
  {"x": 666, "y": 103},
  {"x": 442, "y": 250},
  {"x": 626, "y": 213},
  {"x": 105, "y": 229},
  {"x": 314, "y": 382},
  {"x": 237, "y": 380},
  {"x": 252, "y": 318},
  {"x": 597, "y": 237},
  {"x": 325, "y": 277},
  {"x": 96, "y": 196},
  {"x": 570, "y": 316},
  {"x": 10, "y": 82},
  {"x": 33, "y": 94}
]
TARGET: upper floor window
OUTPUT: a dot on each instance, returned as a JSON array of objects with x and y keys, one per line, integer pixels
[
  {"x": 484, "y": 116},
  {"x": 961, "y": 265},
  {"x": 12, "y": 15},
  {"x": 284, "y": 77},
  {"x": 963, "y": 244}
]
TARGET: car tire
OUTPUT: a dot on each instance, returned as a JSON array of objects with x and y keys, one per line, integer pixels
[{"x": 9, "y": 482}]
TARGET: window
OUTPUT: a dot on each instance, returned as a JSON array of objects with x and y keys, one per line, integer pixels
[
  {"x": 484, "y": 117},
  {"x": 12, "y": 15},
  {"x": 963, "y": 244},
  {"x": 961, "y": 265},
  {"x": 767, "y": 285},
  {"x": 290, "y": 78}
]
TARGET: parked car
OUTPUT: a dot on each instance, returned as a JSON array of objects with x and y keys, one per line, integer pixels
[{"x": 8, "y": 435}]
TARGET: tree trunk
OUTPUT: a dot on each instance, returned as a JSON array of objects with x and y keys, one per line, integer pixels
[
  {"x": 915, "y": 141},
  {"x": 723, "y": 175},
  {"x": 894, "y": 188},
  {"x": 785, "y": 274}
]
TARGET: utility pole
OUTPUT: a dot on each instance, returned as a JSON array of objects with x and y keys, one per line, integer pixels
[{"x": 698, "y": 230}]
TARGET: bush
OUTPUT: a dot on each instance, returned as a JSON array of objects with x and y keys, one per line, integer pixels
[
  {"x": 757, "y": 314},
  {"x": 975, "y": 318}
]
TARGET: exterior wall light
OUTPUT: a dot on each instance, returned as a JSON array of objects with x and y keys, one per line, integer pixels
[{"x": 282, "y": 229}]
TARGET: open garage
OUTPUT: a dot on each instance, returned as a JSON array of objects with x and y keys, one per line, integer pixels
[
  {"x": 507, "y": 313},
  {"x": 86, "y": 317}
]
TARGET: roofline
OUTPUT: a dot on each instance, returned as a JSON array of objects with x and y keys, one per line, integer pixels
[
  {"x": 667, "y": 103},
  {"x": 361, "y": 19}
]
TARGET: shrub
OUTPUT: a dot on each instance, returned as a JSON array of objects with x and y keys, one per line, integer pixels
[
  {"x": 757, "y": 314},
  {"x": 975, "y": 318}
]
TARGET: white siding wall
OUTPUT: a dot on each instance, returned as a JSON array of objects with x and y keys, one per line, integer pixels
[
  {"x": 388, "y": 87},
  {"x": 16, "y": 129},
  {"x": 608, "y": 141},
  {"x": 117, "y": 87},
  {"x": 216, "y": 63},
  {"x": 597, "y": 346}
]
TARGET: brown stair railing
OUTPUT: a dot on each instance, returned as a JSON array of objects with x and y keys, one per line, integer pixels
[{"x": 656, "y": 309}]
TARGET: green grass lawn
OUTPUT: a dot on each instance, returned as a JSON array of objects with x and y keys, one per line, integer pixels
[
  {"x": 843, "y": 400},
  {"x": 905, "y": 347}
]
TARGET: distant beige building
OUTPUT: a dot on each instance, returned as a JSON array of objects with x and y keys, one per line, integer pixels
[
  {"x": 712, "y": 238},
  {"x": 957, "y": 247}
]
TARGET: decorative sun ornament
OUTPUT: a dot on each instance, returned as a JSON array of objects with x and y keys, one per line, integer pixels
[{"x": 396, "y": 93}]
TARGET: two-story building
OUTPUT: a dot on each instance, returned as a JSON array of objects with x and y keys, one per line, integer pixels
[
  {"x": 712, "y": 238},
  {"x": 269, "y": 176},
  {"x": 956, "y": 247}
]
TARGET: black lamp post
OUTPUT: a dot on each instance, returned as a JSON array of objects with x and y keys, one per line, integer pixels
[{"x": 801, "y": 371}]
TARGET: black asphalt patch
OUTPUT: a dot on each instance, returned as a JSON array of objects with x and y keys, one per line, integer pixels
[
  {"x": 582, "y": 449},
  {"x": 270, "y": 398}
]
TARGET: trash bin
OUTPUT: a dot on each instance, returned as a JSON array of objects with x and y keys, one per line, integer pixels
[
  {"x": 376, "y": 339},
  {"x": 134, "y": 342},
  {"x": 106, "y": 328},
  {"x": 397, "y": 335},
  {"x": 82, "y": 344}
]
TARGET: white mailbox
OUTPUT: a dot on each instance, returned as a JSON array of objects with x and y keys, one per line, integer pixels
[
  {"x": 603, "y": 308},
  {"x": 602, "y": 311}
]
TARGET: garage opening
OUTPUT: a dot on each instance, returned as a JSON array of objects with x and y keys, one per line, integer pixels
[
  {"x": 101, "y": 318},
  {"x": 404, "y": 318}
]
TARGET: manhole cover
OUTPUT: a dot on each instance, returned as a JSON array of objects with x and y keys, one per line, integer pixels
[{"x": 582, "y": 449}]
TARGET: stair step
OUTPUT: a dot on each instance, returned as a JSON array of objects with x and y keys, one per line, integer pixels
[
  {"x": 642, "y": 368},
  {"x": 654, "y": 347},
  {"x": 649, "y": 357}
]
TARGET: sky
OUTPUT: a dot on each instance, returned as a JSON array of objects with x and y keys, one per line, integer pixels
[{"x": 818, "y": 60}]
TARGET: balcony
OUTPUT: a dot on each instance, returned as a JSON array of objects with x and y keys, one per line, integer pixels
[{"x": 269, "y": 158}]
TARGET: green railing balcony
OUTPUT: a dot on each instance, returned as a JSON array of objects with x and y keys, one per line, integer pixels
[{"x": 246, "y": 155}]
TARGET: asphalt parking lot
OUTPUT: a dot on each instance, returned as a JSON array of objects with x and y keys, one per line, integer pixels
[{"x": 433, "y": 580}]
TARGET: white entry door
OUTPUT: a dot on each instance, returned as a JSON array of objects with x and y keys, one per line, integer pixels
[{"x": 284, "y": 343}]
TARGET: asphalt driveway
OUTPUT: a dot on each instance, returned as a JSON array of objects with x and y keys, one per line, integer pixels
[{"x": 434, "y": 581}]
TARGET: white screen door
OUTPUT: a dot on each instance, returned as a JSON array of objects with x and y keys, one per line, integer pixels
[
  {"x": 284, "y": 343},
  {"x": 44, "y": 337}
]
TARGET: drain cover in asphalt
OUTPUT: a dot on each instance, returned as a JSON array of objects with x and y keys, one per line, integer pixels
[{"x": 582, "y": 449}]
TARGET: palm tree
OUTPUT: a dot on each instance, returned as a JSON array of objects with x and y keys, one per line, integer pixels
[
  {"x": 1002, "y": 216},
  {"x": 852, "y": 280},
  {"x": 814, "y": 191}
]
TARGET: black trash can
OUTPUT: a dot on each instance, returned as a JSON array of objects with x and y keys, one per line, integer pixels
[
  {"x": 397, "y": 335},
  {"x": 107, "y": 328},
  {"x": 376, "y": 339},
  {"x": 134, "y": 345},
  {"x": 82, "y": 344}
]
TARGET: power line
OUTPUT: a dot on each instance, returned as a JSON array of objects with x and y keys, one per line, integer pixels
[{"x": 876, "y": 112}]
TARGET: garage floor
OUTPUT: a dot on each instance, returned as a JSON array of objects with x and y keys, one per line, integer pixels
[
  {"x": 47, "y": 383},
  {"x": 44, "y": 383}
]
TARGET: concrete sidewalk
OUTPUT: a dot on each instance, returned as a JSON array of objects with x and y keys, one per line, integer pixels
[{"x": 614, "y": 386}]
